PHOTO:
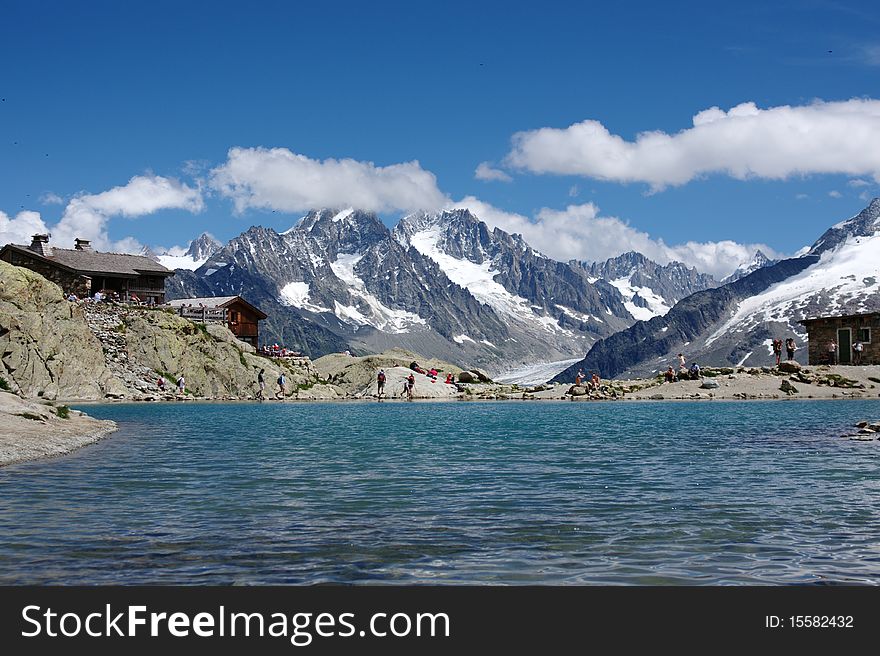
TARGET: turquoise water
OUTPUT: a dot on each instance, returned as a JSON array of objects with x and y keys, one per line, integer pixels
[{"x": 646, "y": 493}]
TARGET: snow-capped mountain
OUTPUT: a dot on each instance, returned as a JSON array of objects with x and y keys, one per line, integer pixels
[
  {"x": 735, "y": 323},
  {"x": 649, "y": 289},
  {"x": 535, "y": 296},
  {"x": 758, "y": 261},
  {"x": 200, "y": 249},
  {"x": 442, "y": 283}
]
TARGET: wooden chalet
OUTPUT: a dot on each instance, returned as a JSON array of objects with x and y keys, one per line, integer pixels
[
  {"x": 242, "y": 318},
  {"x": 83, "y": 271}
]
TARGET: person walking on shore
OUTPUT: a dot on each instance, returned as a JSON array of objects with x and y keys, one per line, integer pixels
[
  {"x": 380, "y": 383},
  {"x": 832, "y": 352},
  {"x": 261, "y": 382},
  {"x": 790, "y": 348},
  {"x": 857, "y": 352},
  {"x": 281, "y": 383},
  {"x": 410, "y": 386},
  {"x": 181, "y": 385}
]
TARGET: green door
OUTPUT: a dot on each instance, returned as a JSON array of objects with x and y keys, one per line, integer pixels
[{"x": 844, "y": 345}]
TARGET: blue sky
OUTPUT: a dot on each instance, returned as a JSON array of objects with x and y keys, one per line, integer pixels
[{"x": 95, "y": 93}]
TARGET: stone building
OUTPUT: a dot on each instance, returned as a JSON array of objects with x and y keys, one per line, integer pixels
[
  {"x": 845, "y": 331},
  {"x": 83, "y": 271}
]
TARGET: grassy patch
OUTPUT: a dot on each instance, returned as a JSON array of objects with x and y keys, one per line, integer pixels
[
  {"x": 63, "y": 412},
  {"x": 30, "y": 415},
  {"x": 241, "y": 358}
]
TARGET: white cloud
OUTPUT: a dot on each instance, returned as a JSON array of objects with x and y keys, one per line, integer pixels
[
  {"x": 802, "y": 196},
  {"x": 19, "y": 230},
  {"x": 835, "y": 194},
  {"x": 858, "y": 183},
  {"x": 744, "y": 142},
  {"x": 279, "y": 179},
  {"x": 579, "y": 232},
  {"x": 87, "y": 215},
  {"x": 573, "y": 191},
  {"x": 51, "y": 198},
  {"x": 486, "y": 172}
]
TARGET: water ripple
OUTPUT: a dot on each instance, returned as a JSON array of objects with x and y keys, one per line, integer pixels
[{"x": 562, "y": 493}]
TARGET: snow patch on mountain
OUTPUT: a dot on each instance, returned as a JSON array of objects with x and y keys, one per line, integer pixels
[
  {"x": 479, "y": 280},
  {"x": 656, "y": 305},
  {"x": 377, "y": 314},
  {"x": 180, "y": 262},
  {"x": 297, "y": 294}
]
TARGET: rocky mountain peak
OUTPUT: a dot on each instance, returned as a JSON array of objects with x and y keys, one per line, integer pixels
[
  {"x": 758, "y": 261},
  {"x": 864, "y": 224},
  {"x": 203, "y": 247}
]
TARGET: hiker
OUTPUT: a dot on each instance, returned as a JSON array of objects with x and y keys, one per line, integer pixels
[
  {"x": 832, "y": 352},
  {"x": 594, "y": 379},
  {"x": 411, "y": 384},
  {"x": 579, "y": 377},
  {"x": 857, "y": 352},
  {"x": 790, "y": 348},
  {"x": 450, "y": 379},
  {"x": 777, "y": 350},
  {"x": 681, "y": 360},
  {"x": 380, "y": 383},
  {"x": 281, "y": 382},
  {"x": 694, "y": 371},
  {"x": 261, "y": 382},
  {"x": 72, "y": 297},
  {"x": 181, "y": 385},
  {"x": 161, "y": 384},
  {"x": 669, "y": 375}
]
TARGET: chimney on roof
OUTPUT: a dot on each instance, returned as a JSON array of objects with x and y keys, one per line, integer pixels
[
  {"x": 40, "y": 244},
  {"x": 82, "y": 244}
]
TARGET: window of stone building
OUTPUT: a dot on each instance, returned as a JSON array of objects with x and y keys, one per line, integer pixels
[{"x": 865, "y": 335}]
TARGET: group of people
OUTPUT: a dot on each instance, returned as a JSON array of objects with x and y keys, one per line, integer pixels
[
  {"x": 857, "y": 349},
  {"x": 409, "y": 385},
  {"x": 276, "y": 351},
  {"x": 281, "y": 381},
  {"x": 790, "y": 348},
  {"x": 684, "y": 372},
  {"x": 593, "y": 383},
  {"x": 181, "y": 384}
]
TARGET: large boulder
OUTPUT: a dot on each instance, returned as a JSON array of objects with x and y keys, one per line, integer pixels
[
  {"x": 789, "y": 367},
  {"x": 709, "y": 384},
  {"x": 577, "y": 390},
  {"x": 46, "y": 346}
]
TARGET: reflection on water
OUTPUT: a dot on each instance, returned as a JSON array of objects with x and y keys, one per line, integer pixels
[{"x": 651, "y": 493}]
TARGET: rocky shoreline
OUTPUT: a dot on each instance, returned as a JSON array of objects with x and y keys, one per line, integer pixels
[{"x": 31, "y": 430}]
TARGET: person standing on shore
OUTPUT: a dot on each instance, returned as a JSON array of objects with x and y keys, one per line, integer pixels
[
  {"x": 777, "y": 350},
  {"x": 380, "y": 383},
  {"x": 790, "y": 348},
  {"x": 857, "y": 353},
  {"x": 261, "y": 382},
  {"x": 832, "y": 352},
  {"x": 410, "y": 386},
  {"x": 181, "y": 384},
  {"x": 579, "y": 377}
]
